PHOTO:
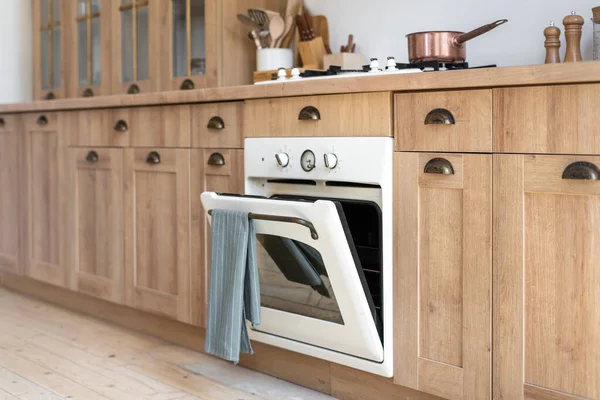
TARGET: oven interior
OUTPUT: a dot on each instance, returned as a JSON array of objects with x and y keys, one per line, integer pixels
[{"x": 362, "y": 223}]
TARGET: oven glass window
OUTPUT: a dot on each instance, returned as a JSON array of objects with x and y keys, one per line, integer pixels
[{"x": 293, "y": 279}]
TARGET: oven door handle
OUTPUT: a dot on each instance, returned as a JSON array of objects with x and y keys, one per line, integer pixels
[{"x": 278, "y": 218}]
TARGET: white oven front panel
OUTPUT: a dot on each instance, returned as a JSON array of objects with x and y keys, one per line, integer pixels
[{"x": 357, "y": 335}]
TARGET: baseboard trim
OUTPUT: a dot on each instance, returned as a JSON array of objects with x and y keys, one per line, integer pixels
[{"x": 338, "y": 381}]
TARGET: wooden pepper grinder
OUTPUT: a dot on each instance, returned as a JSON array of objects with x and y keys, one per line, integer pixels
[
  {"x": 552, "y": 44},
  {"x": 573, "y": 26}
]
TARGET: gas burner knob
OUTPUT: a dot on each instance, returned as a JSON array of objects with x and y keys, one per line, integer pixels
[
  {"x": 374, "y": 65},
  {"x": 296, "y": 73},
  {"x": 331, "y": 160},
  {"x": 391, "y": 64},
  {"x": 282, "y": 159},
  {"x": 281, "y": 74}
]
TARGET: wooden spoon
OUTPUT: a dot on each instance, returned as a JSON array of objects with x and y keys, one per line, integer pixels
[
  {"x": 276, "y": 27},
  {"x": 291, "y": 10}
]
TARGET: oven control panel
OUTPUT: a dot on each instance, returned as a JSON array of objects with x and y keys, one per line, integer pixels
[{"x": 354, "y": 159}]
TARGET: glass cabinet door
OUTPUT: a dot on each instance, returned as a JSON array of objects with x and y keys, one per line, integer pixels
[
  {"x": 188, "y": 44},
  {"x": 89, "y": 46},
  {"x": 134, "y": 40},
  {"x": 48, "y": 83}
]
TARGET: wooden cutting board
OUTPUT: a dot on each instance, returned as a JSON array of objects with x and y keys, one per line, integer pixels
[{"x": 321, "y": 27}]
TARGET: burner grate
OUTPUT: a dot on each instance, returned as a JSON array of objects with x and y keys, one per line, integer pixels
[
  {"x": 427, "y": 66},
  {"x": 439, "y": 65}
]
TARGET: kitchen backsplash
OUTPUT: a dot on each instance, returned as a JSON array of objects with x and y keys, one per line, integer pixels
[{"x": 380, "y": 26}]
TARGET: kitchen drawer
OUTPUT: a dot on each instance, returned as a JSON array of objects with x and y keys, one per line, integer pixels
[
  {"x": 444, "y": 121},
  {"x": 41, "y": 121},
  {"x": 361, "y": 114},
  {"x": 8, "y": 122},
  {"x": 163, "y": 126},
  {"x": 547, "y": 119},
  {"x": 217, "y": 125},
  {"x": 108, "y": 128}
]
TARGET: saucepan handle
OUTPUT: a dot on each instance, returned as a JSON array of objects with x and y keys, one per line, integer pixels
[{"x": 460, "y": 39}]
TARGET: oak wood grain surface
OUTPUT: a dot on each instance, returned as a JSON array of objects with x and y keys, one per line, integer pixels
[
  {"x": 343, "y": 383},
  {"x": 43, "y": 167},
  {"x": 95, "y": 222},
  {"x": 363, "y": 114},
  {"x": 547, "y": 119},
  {"x": 443, "y": 276},
  {"x": 546, "y": 279},
  {"x": 227, "y": 178},
  {"x": 581, "y": 72},
  {"x": 471, "y": 132},
  {"x": 157, "y": 232},
  {"x": 50, "y": 353},
  {"x": 10, "y": 182}
]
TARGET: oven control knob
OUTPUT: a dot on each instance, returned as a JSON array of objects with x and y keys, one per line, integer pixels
[
  {"x": 282, "y": 159},
  {"x": 331, "y": 160}
]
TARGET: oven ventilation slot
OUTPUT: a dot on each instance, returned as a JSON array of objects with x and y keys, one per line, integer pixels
[
  {"x": 278, "y": 218},
  {"x": 352, "y": 184},
  {"x": 293, "y": 181}
]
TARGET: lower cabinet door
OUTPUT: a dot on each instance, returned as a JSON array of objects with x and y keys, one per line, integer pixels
[
  {"x": 216, "y": 170},
  {"x": 546, "y": 277},
  {"x": 442, "y": 308},
  {"x": 95, "y": 222},
  {"x": 45, "y": 187},
  {"x": 10, "y": 207},
  {"x": 157, "y": 231}
]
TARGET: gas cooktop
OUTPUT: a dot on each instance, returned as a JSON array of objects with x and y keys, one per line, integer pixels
[{"x": 391, "y": 68}]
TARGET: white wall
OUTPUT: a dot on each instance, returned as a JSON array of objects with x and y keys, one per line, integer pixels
[
  {"x": 379, "y": 26},
  {"x": 15, "y": 51}
]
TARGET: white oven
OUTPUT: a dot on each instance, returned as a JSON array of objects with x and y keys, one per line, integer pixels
[{"x": 322, "y": 209}]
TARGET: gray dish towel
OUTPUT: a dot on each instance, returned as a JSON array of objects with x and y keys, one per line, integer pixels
[{"x": 234, "y": 291}]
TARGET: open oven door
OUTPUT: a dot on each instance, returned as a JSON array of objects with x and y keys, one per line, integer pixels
[{"x": 313, "y": 289}]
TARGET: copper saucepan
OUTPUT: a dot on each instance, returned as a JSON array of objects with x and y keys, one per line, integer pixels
[{"x": 445, "y": 46}]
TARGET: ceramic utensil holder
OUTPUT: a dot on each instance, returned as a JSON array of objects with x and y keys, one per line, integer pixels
[
  {"x": 273, "y": 59},
  {"x": 312, "y": 53}
]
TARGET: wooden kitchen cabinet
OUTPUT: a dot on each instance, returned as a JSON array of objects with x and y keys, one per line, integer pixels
[
  {"x": 546, "y": 277},
  {"x": 164, "y": 126},
  {"x": 88, "y": 32},
  {"x": 453, "y": 121},
  {"x": 95, "y": 222},
  {"x": 157, "y": 231},
  {"x": 10, "y": 201},
  {"x": 218, "y": 125},
  {"x": 50, "y": 45},
  {"x": 215, "y": 170},
  {"x": 553, "y": 119},
  {"x": 135, "y": 46},
  {"x": 204, "y": 44},
  {"x": 443, "y": 323},
  {"x": 93, "y": 128},
  {"x": 44, "y": 180},
  {"x": 329, "y": 115},
  {"x": 189, "y": 33}
]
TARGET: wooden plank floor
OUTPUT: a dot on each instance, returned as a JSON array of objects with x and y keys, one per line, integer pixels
[{"x": 50, "y": 353}]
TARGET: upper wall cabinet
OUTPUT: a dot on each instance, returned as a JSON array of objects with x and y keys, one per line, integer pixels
[
  {"x": 49, "y": 49},
  {"x": 89, "y": 40},
  {"x": 89, "y": 48},
  {"x": 189, "y": 35},
  {"x": 135, "y": 39}
]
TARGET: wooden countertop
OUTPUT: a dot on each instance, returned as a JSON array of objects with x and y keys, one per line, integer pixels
[{"x": 584, "y": 72}]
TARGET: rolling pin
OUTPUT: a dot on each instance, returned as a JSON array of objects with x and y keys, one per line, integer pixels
[{"x": 573, "y": 26}]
